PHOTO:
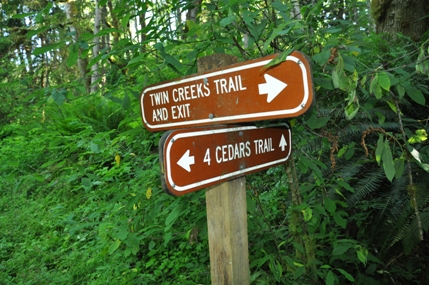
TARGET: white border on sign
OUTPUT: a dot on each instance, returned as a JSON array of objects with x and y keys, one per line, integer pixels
[
  {"x": 236, "y": 117},
  {"x": 218, "y": 178}
]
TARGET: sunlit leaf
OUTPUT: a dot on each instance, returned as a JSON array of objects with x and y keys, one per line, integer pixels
[
  {"x": 418, "y": 137},
  {"x": 148, "y": 193},
  {"x": 308, "y": 214}
]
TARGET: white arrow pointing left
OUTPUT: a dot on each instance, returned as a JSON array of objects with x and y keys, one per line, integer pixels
[
  {"x": 283, "y": 143},
  {"x": 272, "y": 87},
  {"x": 186, "y": 161}
]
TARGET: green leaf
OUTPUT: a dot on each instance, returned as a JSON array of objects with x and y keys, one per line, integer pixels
[
  {"x": 322, "y": 57},
  {"x": 299, "y": 272},
  {"x": 193, "y": 28},
  {"x": 136, "y": 60},
  {"x": 418, "y": 160},
  {"x": 378, "y": 92},
  {"x": 373, "y": 84},
  {"x": 173, "y": 61},
  {"x": 330, "y": 278},
  {"x": 419, "y": 137},
  {"x": 340, "y": 220},
  {"x": 401, "y": 90},
  {"x": 392, "y": 106},
  {"x": 384, "y": 81},
  {"x": 133, "y": 242},
  {"x": 388, "y": 165},
  {"x": 362, "y": 254},
  {"x": 114, "y": 246},
  {"x": 43, "y": 49},
  {"x": 416, "y": 95},
  {"x": 226, "y": 21},
  {"x": 172, "y": 217},
  {"x": 346, "y": 274},
  {"x": 315, "y": 122},
  {"x": 86, "y": 182},
  {"x": 95, "y": 148},
  {"x": 106, "y": 31},
  {"x": 330, "y": 205},
  {"x": 399, "y": 167},
  {"x": 125, "y": 20},
  {"x": 351, "y": 110},
  {"x": 123, "y": 231},
  {"x": 308, "y": 214},
  {"x": 58, "y": 97},
  {"x": 126, "y": 103},
  {"x": 73, "y": 54},
  {"x": 31, "y": 33},
  {"x": 341, "y": 248},
  {"x": 335, "y": 79},
  {"x": 380, "y": 148}
]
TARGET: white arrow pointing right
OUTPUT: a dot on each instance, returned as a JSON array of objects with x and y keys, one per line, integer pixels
[
  {"x": 186, "y": 161},
  {"x": 283, "y": 143},
  {"x": 272, "y": 87}
]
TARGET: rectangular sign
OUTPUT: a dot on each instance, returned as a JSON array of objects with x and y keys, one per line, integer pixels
[
  {"x": 243, "y": 92},
  {"x": 198, "y": 158}
]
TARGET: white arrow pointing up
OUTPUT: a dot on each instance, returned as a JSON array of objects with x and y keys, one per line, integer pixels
[
  {"x": 283, "y": 143},
  {"x": 272, "y": 87},
  {"x": 186, "y": 161}
]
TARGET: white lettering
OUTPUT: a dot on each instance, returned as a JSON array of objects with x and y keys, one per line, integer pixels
[
  {"x": 190, "y": 92},
  {"x": 263, "y": 145},
  {"x": 160, "y": 98},
  {"x": 207, "y": 157},
  {"x": 160, "y": 114},
  {"x": 230, "y": 152},
  {"x": 180, "y": 111},
  {"x": 231, "y": 84}
]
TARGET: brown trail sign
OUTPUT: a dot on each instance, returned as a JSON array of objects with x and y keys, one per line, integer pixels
[
  {"x": 198, "y": 158},
  {"x": 238, "y": 93}
]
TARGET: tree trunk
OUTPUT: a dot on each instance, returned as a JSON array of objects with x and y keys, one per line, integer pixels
[
  {"x": 96, "y": 49},
  {"x": 114, "y": 21},
  {"x": 407, "y": 17},
  {"x": 71, "y": 12}
]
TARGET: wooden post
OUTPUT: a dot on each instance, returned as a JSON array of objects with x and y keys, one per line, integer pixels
[
  {"x": 227, "y": 215},
  {"x": 227, "y": 227}
]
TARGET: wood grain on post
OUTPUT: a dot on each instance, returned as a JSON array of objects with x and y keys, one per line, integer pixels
[{"x": 227, "y": 215}]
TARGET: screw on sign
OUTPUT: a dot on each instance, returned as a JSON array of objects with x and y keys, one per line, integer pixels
[
  {"x": 243, "y": 92},
  {"x": 198, "y": 158}
]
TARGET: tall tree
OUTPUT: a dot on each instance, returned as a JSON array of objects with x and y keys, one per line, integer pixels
[
  {"x": 407, "y": 17},
  {"x": 95, "y": 76}
]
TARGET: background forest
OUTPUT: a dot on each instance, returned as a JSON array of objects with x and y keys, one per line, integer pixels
[{"x": 81, "y": 199}]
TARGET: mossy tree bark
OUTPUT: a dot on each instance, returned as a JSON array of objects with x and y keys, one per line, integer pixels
[{"x": 407, "y": 17}]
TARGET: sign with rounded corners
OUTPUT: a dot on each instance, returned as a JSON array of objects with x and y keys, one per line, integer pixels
[
  {"x": 197, "y": 158},
  {"x": 243, "y": 92}
]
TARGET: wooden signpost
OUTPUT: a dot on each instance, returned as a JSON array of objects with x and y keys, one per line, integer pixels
[
  {"x": 244, "y": 92},
  {"x": 220, "y": 156},
  {"x": 200, "y": 157}
]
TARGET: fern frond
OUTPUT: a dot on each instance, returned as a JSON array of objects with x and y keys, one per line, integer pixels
[{"x": 367, "y": 185}]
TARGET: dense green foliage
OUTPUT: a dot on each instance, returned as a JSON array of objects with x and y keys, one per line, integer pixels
[{"x": 81, "y": 199}]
